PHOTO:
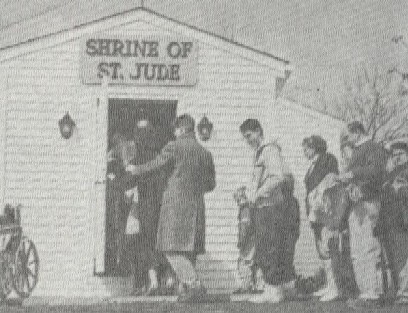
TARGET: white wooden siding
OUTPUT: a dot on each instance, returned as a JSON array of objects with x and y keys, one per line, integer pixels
[{"x": 53, "y": 178}]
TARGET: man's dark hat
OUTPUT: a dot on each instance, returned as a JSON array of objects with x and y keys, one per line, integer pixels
[{"x": 185, "y": 121}]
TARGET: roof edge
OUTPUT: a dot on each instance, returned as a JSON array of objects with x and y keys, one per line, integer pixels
[
  {"x": 147, "y": 10},
  {"x": 241, "y": 45},
  {"x": 311, "y": 111}
]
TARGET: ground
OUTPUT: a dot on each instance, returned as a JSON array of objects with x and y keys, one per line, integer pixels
[{"x": 225, "y": 307}]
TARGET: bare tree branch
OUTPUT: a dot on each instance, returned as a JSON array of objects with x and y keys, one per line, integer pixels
[{"x": 373, "y": 97}]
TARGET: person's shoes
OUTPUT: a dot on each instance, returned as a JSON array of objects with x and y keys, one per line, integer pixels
[
  {"x": 152, "y": 291},
  {"x": 330, "y": 295},
  {"x": 255, "y": 291},
  {"x": 289, "y": 289},
  {"x": 193, "y": 294},
  {"x": 320, "y": 292},
  {"x": 14, "y": 302},
  {"x": 241, "y": 291},
  {"x": 402, "y": 300},
  {"x": 271, "y": 294},
  {"x": 364, "y": 303},
  {"x": 169, "y": 285}
]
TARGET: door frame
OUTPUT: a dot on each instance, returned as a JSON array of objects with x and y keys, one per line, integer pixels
[{"x": 101, "y": 114}]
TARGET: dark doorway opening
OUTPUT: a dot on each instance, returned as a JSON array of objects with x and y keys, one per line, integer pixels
[{"x": 123, "y": 118}]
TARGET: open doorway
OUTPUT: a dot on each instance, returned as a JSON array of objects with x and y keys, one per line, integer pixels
[{"x": 124, "y": 117}]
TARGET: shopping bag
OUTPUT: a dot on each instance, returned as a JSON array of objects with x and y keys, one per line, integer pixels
[{"x": 132, "y": 225}]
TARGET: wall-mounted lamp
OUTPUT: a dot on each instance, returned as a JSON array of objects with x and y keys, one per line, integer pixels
[
  {"x": 204, "y": 128},
  {"x": 66, "y": 126}
]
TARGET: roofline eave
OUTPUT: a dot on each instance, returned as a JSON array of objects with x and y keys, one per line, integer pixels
[{"x": 125, "y": 17}]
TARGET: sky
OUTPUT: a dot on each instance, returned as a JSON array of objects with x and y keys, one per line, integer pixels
[{"x": 325, "y": 40}]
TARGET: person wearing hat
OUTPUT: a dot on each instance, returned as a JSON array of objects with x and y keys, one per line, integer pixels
[
  {"x": 364, "y": 177},
  {"x": 394, "y": 217},
  {"x": 181, "y": 228}
]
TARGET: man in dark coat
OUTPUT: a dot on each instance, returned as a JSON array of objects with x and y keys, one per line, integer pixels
[
  {"x": 394, "y": 217},
  {"x": 365, "y": 174},
  {"x": 181, "y": 230}
]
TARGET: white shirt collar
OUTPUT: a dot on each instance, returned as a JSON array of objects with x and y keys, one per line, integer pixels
[{"x": 261, "y": 144}]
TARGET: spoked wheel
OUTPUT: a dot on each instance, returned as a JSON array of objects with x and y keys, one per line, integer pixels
[{"x": 25, "y": 269}]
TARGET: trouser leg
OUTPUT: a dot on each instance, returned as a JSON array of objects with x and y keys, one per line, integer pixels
[
  {"x": 269, "y": 237},
  {"x": 403, "y": 287},
  {"x": 401, "y": 261},
  {"x": 342, "y": 266},
  {"x": 288, "y": 245},
  {"x": 389, "y": 246},
  {"x": 365, "y": 251},
  {"x": 183, "y": 267},
  {"x": 137, "y": 261},
  {"x": 245, "y": 273},
  {"x": 335, "y": 264}
]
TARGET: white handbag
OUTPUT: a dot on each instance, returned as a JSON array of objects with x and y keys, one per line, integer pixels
[{"x": 133, "y": 223}]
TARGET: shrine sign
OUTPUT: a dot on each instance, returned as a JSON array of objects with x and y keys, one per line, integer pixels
[{"x": 155, "y": 61}]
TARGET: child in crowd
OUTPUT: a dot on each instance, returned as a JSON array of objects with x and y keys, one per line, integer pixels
[{"x": 250, "y": 280}]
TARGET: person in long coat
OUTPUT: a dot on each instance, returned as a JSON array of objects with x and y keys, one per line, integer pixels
[{"x": 181, "y": 230}]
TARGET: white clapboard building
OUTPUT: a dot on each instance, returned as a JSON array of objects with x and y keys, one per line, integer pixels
[{"x": 99, "y": 70}]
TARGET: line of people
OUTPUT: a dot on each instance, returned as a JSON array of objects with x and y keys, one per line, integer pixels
[{"x": 359, "y": 218}]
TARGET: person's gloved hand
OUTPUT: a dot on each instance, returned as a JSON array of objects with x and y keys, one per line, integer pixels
[{"x": 133, "y": 169}]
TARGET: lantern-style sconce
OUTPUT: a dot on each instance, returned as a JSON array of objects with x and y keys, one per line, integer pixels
[
  {"x": 66, "y": 126},
  {"x": 205, "y": 128}
]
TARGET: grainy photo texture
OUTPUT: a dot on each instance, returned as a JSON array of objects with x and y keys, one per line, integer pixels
[{"x": 204, "y": 156}]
